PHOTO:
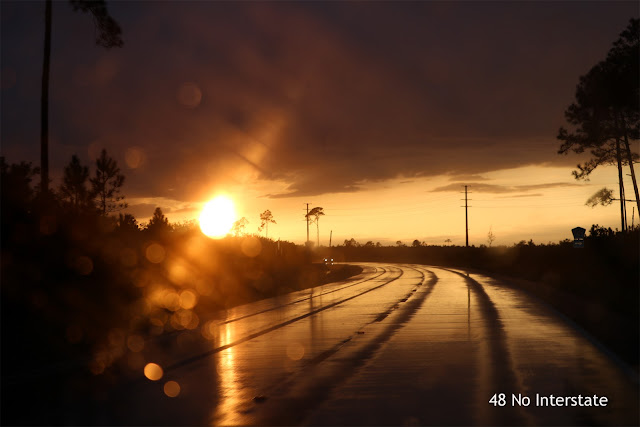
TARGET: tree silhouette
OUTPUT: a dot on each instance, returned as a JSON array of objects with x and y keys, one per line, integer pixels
[
  {"x": 599, "y": 232},
  {"x": 16, "y": 195},
  {"x": 315, "y": 214},
  {"x": 108, "y": 36},
  {"x": 158, "y": 224},
  {"x": 352, "y": 243},
  {"x": 602, "y": 197},
  {"x": 490, "y": 236},
  {"x": 73, "y": 190},
  {"x": 107, "y": 184},
  {"x": 606, "y": 113},
  {"x": 15, "y": 184},
  {"x": 127, "y": 223},
  {"x": 416, "y": 243},
  {"x": 239, "y": 226},
  {"x": 266, "y": 217}
]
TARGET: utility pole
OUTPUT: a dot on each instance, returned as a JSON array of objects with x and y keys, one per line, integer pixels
[
  {"x": 624, "y": 213},
  {"x": 307, "y": 216},
  {"x": 330, "y": 236},
  {"x": 466, "y": 217}
]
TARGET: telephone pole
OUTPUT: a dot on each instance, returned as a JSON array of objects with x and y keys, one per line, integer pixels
[
  {"x": 307, "y": 216},
  {"x": 466, "y": 217}
]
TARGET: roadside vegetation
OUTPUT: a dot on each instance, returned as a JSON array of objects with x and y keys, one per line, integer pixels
[{"x": 84, "y": 286}]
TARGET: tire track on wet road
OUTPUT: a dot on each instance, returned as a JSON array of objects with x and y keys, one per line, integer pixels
[
  {"x": 251, "y": 336},
  {"x": 292, "y": 400},
  {"x": 321, "y": 294},
  {"x": 504, "y": 379}
]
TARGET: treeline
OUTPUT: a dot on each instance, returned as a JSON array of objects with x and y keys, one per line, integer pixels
[
  {"x": 610, "y": 259},
  {"x": 81, "y": 282}
]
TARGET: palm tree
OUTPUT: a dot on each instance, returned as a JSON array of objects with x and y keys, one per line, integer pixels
[
  {"x": 316, "y": 213},
  {"x": 109, "y": 36}
]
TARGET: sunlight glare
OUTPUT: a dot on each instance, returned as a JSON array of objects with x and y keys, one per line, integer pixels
[{"x": 217, "y": 217}]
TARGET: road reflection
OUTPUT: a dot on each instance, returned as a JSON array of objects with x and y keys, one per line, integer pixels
[
  {"x": 551, "y": 357},
  {"x": 399, "y": 349},
  {"x": 228, "y": 385}
]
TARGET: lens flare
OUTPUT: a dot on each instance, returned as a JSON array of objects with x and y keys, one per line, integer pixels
[
  {"x": 171, "y": 388},
  {"x": 153, "y": 371},
  {"x": 217, "y": 217}
]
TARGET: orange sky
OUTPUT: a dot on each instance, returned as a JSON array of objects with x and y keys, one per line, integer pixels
[{"x": 405, "y": 210}]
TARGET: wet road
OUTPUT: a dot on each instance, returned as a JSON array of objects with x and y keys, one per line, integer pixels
[{"x": 396, "y": 345}]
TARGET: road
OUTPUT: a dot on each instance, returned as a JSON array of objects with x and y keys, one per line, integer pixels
[{"x": 395, "y": 345}]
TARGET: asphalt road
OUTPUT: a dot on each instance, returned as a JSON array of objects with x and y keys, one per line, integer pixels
[{"x": 396, "y": 345}]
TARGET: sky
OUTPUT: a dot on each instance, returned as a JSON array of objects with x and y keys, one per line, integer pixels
[{"x": 379, "y": 112}]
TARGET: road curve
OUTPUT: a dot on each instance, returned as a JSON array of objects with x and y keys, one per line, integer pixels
[{"x": 395, "y": 345}]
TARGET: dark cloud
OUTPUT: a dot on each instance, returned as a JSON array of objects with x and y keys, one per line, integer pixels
[
  {"x": 467, "y": 178},
  {"x": 497, "y": 189},
  {"x": 324, "y": 96},
  {"x": 521, "y": 195}
]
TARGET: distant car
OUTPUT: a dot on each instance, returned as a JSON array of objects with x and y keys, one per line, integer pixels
[{"x": 328, "y": 261}]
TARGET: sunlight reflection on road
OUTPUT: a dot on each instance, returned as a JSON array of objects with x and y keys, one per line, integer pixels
[{"x": 228, "y": 388}]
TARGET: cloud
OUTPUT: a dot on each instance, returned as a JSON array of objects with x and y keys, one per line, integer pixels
[
  {"x": 499, "y": 189},
  {"x": 521, "y": 195},
  {"x": 322, "y": 96},
  {"x": 466, "y": 178}
]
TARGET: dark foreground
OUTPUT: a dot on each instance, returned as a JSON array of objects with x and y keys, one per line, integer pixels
[{"x": 397, "y": 345}]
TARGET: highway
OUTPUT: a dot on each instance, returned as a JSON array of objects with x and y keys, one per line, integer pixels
[{"x": 396, "y": 345}]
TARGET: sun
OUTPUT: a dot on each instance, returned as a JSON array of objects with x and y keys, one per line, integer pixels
[{"x": 217, "y": 217}]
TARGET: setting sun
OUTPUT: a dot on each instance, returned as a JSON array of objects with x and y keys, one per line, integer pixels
[{"x": 217, "y": 217}]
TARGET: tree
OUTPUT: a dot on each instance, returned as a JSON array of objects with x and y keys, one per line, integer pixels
[
  {"x": 15, "y": 182},
  {"x": 73, "y": 190},
  {"x": 184, "y": 226},
  {"x": 448, "y": 241},
  {"x": 158, "y": 224},
  {"x": 316, "y": 213},
  {"x": 602, "y": 197},
  {"x": 606, "y": 113},
  {"x": 127, "y": 223},
  {"x": 351, "y": 243},
  {"x": 597, "y": 231},
  {"x": 416, "y": 243},
  {"x": 490, "y": 236},
  {"x": 109, "y": 35},
  {"x": 266, "y": 217},
  {"x": 239, "y": 226},
  {"x": 400, "y": 244},
  {"x": 16, "y": 196},
  {"x": 107, "y": 184}
]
